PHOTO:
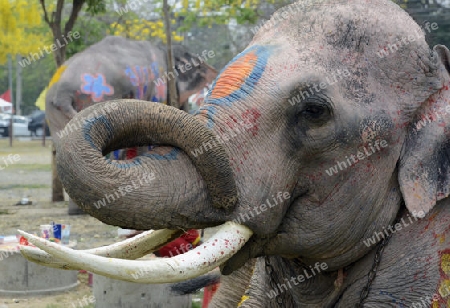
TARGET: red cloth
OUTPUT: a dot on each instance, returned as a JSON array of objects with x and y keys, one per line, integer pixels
[
  {"x": 131, "y": 153},
  {"x": 181, "y": 245},
  {"x": 6, "y": 96},
  {"x": 208, "y": 294}
]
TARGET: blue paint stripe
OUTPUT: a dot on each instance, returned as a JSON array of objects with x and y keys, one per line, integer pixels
[{"x": 89, "y": 123}]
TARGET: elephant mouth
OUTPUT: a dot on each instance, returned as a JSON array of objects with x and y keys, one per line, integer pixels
[{"x": 114, "y": 261}]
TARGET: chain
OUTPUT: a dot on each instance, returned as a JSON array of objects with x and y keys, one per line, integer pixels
[
  {"x": 373, "y": 271},
  {"x": 272, "y": 282}
]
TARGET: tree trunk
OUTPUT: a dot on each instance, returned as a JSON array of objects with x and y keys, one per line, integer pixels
[
  {"x": 18, "y": 84},
  {"x": 10, "y": 86},
  {"x": 57, "y": 188},
  {"x": 173, "y": 96}
]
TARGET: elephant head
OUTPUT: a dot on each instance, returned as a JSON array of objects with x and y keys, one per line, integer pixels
[
  {"x": 312, "y": 138},
  {"x": 120, "y": 68}
]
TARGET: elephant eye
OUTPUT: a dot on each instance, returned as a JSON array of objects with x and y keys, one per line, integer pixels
[{"x": 315, "y": 112}]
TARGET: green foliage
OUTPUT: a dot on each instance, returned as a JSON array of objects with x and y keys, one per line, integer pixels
[
  {"x": 91, "y": 31},
  {"x": 430, "y": 11},
  {"x": 95, "y": 7},
  {"x": 196, "y": 305}
]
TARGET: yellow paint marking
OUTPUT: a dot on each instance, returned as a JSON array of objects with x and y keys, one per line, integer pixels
[
  {"x": 243, "y": 299},
  {"x": 444, "y": 289},
  {"x": 445, "y": 264},
  {"x": 57, "y": 75}
]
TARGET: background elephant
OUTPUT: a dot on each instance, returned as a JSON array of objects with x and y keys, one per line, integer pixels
[
  {"x": 117, "y": 67},
  {"x": 331, "y": 158}
]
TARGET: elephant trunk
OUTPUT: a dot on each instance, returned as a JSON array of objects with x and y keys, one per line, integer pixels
[{"x": 165, "y": 188}]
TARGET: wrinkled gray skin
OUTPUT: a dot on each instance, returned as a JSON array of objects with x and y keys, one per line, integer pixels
[
  {"x": 116, "y": 58},
  {"x": 290, "y": 147}
]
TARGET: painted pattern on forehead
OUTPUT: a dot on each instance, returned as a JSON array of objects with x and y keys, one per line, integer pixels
[{"x": 238, "y": 79}]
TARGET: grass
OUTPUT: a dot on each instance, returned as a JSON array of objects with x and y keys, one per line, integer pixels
[
  {"x": 29, "y": 186},
  {"x": 30, "y": 167},
  {"x": 23, "y": 146},
  {"x": 58, "y": 306}
]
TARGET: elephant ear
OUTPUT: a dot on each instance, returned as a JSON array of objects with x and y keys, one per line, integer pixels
[{"x": 424, "y": 167}]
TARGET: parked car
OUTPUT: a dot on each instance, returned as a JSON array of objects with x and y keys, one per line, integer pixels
[
  {"x": 36, "y": 124},
  {"x": 20, "y": 125}
]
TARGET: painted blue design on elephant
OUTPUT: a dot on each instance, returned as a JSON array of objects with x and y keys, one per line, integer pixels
[
  {"x": 96, "y": 86},
  {"x": 139, "y": 78},
  {"x": 155, "y": 69},
  {"x": 94, "y": 121},
  {"x": 172, "y": 155},
  {"x": 244, "y": 70},
  {"x": 160, "y": 87},
  {"x": 117, "y": 163},
  {"x": 209, "y": 111}
]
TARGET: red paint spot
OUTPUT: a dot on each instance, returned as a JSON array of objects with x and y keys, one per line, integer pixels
[{"x": 250, "y": 117}]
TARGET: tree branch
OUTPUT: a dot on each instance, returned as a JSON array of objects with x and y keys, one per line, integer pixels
[
  {"x": 59, "y": 7},
  {"x": 76, "y": 8},
  {"x": 45, "y": 13}
]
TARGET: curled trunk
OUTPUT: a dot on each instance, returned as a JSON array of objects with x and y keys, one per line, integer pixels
[{"x": 166, "y": 188}]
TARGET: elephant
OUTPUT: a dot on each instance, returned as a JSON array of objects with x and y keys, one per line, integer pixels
[
  {"x": 117, "y": 67},
  {"x": 322, "y": 151}
]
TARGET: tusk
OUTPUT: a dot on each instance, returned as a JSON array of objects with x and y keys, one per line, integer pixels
[
  {"x": 218, "y": 249},
  {"x": 132, "y": 248}
]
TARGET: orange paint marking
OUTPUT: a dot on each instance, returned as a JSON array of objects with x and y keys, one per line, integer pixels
[{"x": 234, "y": 76}]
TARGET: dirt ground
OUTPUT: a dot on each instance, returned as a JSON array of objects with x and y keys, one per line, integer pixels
[{"x": 30, "y": 177}]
